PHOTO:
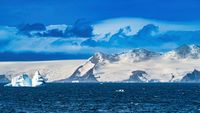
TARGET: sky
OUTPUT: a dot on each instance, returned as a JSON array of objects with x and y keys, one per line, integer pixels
[
  {"x": 68, "y": 11},
  {"x": 76, "y": 29}
]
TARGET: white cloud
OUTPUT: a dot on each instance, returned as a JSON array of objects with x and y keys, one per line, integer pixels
[
  {"x": 11, "y": 41},
  {"x": 113, "y": 25}
]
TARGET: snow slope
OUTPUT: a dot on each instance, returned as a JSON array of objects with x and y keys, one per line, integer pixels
[{"x": 54, "y": 70}]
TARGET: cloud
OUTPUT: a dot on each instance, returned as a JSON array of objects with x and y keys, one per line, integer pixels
[
  {"x": 55, "y": 40},
  {"x": 81, "y": 28},
  {"x": 7, "y": 35},
  {"x": 122, "y": 40},
  {"x": 147, "y": 37},
  {"x": 147, "y": 30},
  {"x": 10, "y": 41},
  {"x": 51, "y": 33},
  {"x": 27, "y": 28},
  {"x": 114, "y": 24}
]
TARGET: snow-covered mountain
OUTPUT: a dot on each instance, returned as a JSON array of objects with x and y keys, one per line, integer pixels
[
  {"x": 139, "y": 65},
  {"x": 192, "y": 77},
  {"x": 48, "y": 68},
  {"x": 184, "y": 51},
  {"x": 84, "y": 73},
  {"x": 89, "y": 71},
  {"x": 136, "y": 55},
  {"x": 138, "y": 77}
]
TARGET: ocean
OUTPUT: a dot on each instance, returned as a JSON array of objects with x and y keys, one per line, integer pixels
[{"x": 101, "y": 98}]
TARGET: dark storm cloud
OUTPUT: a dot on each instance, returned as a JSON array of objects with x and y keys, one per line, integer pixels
[
  {"x": 81, "y": 28},
  {"x": 31, "y": 27},
  {"x": 147, "y": 30}
]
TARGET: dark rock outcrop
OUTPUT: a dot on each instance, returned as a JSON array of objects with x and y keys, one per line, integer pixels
[
  {"x": 87, "y": 77},
  {"x": 138, "y": 77}
]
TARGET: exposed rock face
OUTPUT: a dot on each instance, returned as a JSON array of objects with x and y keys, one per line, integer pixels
[
  {"x": 192, "y": 77},
  {"x": 87, "y": 77},
  {"x": 138, "y": 77},
  {"x": 172, "y": 78},
  {"x": 4, "y": 79},
  {"x": 84, "y": 73}
]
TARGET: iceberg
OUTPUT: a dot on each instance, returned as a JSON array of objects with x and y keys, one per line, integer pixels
[
  {"x": 38, "y": 79},
  {"x": 25, "y": 81},
  {"x": 20, "y": 81}
]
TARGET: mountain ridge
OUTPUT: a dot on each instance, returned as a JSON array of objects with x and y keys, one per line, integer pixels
[{"x": 100, "y": 63}]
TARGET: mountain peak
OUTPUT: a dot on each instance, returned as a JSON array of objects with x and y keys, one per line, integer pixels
[
  {"x": 98, "y": 57},
  {"x": 194, "y": 76},
  {"x": 137, "y": 55},
  {"x": 184, "y": 51}
]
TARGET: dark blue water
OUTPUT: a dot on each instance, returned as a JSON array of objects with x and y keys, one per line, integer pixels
[{"x": 101, "y": 98}]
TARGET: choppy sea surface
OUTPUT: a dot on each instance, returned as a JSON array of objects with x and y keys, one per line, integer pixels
[{"x": 101, "y": 98}]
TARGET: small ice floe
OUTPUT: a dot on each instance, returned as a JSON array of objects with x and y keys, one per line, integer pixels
[
  {"x": 136, "y": 104},
  {"x": 120, "y": 90},
  {"x": 75, "y": 81}
]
